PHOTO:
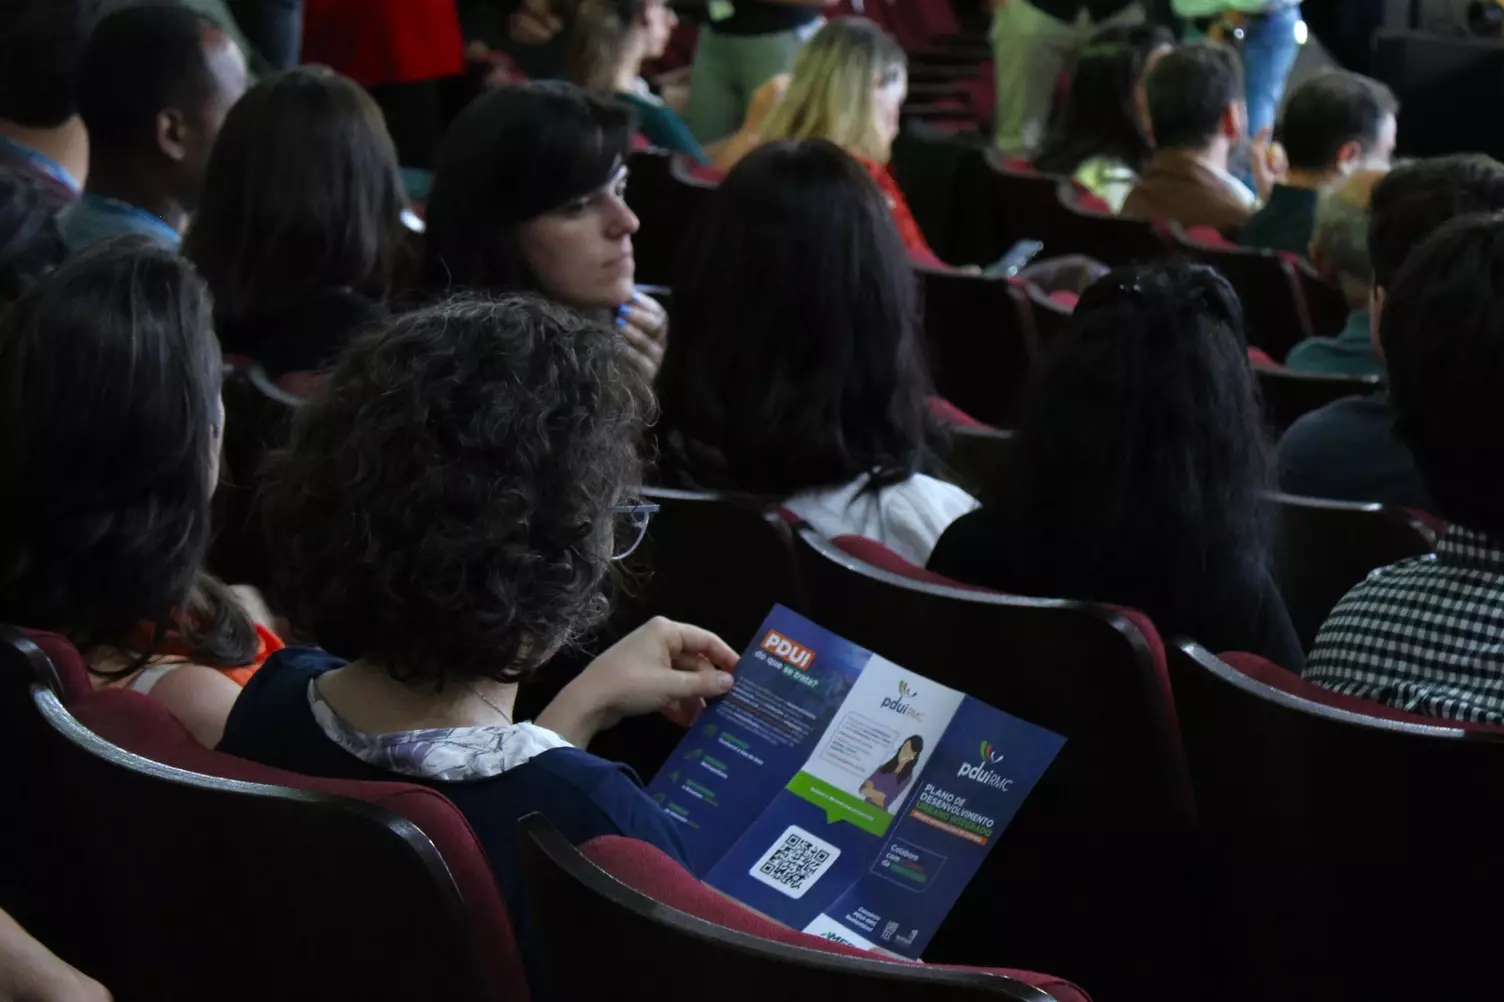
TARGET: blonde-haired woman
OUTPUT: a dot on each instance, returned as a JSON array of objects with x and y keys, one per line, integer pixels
[{"x": 847, "y": 87}]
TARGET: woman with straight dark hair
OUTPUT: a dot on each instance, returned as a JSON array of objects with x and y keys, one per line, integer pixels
[
  {"x": 110, "y": 426},
  {"x": 300, "y": 233},
  {"x": 1101, "y": 137},
  {"x": 884, "y": 788},
  {"x": 529, "y": 196},
  {"x": 1139, "y": 471},
  {"x": 795, "y": 377}
]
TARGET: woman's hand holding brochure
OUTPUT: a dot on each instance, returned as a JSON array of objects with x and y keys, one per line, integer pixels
[{"x": 662, "y": 666}]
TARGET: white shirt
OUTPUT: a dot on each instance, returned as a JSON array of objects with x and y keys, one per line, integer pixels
[{"x": 907, "y": 518}]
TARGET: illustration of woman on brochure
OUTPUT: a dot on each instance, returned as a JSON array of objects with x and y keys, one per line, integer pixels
[{"x": 885, "y": 787}]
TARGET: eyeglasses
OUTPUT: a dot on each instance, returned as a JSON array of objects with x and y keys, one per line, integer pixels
[{"x": 630, "y": 524}]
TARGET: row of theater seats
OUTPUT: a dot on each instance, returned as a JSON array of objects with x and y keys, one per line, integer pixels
[
  {"x": 170, "y": 871},
  {"x": 1104, "y": 875},
  {"x": 983, "y": 335}
]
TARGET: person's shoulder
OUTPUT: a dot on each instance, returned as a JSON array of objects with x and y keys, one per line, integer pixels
[
  {"x": 1349, "y": 416},
  {"x": 924, "y": 495},
  {"x": 290, "y": 668}
]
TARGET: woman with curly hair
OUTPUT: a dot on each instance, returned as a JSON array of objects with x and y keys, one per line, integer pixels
[
  {"x": 447, "y": 512},
  {"x": 110, "y": 427}
]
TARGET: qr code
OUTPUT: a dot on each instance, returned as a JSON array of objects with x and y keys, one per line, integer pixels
[{"x": 795, "y": 862}]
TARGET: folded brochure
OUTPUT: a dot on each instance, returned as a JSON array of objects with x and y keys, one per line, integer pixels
[{"x": 840, "y": 794}]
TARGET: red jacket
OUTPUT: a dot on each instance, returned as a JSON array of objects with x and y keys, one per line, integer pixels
[{"x": 377, "y": 42}]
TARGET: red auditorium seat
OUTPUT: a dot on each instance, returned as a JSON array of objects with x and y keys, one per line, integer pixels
[
  {"x": 181, "y": 873},
  {"x": 975, "y": 458},
  {"x": 1274, "y": 307},
  {"x": 1289, "y": 395},
  {"x": 1102, "y": 846},
  {"x": 1349, "y": 857},
  {"x": 666, "y": 196},
  {"x": 1323, "y": 548},
  {"x": 979, "y": 339},
  {"x": 639, "y": 904}
]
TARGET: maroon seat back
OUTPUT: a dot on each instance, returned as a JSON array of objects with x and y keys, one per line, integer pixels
[
  {"x": 1108, "y": 826},
  {"x": 653, "y": 908},
  {"x": 979, "y": 339},
  {"x": 666, "y": 198},
  {"x": 1325, "y": 303},
  {"x": 977, "y": 458},
  {"x": 1112, "y": 239},
  {"x": 258, "y": 416},
  {"x": 1274, "y": 309},
  {"x": 1290, "y": 395},
  {"x": 1323, "y": 548},
  {"x": 705, "y": 560},
  {"x": 180, "y": 857},
  {"x": 1327, "y": 832}
]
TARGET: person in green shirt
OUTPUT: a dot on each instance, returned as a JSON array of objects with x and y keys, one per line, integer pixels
[{"x": 609, "y": 42}]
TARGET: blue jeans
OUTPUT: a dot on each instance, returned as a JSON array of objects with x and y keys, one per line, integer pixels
[{"x": 1269, "y": 51}]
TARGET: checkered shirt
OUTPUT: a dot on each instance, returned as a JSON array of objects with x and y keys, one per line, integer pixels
[{"x": 1424, "y": 635}]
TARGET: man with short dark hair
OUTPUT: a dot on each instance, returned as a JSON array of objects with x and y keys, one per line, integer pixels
[
  {"x": 1197, "y": 114},
  {"x": 1348, "y": 450},
  {"x": 155, "y": 83},
  {"x": 1423, "y": 634},
  {"x": 1332, "y": 125},
  {"x": 41, "y": 135}
]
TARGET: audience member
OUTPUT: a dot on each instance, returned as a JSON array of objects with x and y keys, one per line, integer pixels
[
  {"x": 1034, "y": 42},
  {"x": 1423, "y": 634},
  {"x": 110, "y": 425},
  {"x": 444, "y": 516},
  {"x": 30, "y": 243},
  {"x": 1332, "y": 125},
  {"x": 610, "y": 40},
  {"x": 1347, "y": 450},
  {"x": 1140, "y": 470},
  {"x": 1269, "y": 44},
  {"x": 553, "y": 222},
  {"x": 1339, "y": 252},
  {"x": 299, "y": 233},
  {"x": 847, "y": 87},
  {"x": 1101, "y": 137},
  {"x": 41, "y": 134},
  {"x": 152, "y": 120},
  {"x": 738, "y": 53},
  {"x": 1196, "y": 110},
  {"x": 794, "y": 376}
]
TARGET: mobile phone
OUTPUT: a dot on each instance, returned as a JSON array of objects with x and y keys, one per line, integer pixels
[{"x": 1014, "y": 261}]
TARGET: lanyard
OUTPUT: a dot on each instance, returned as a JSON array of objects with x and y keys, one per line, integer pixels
[{"x": 41, "y": 162}]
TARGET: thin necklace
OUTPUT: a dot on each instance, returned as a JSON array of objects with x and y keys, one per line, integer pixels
[{"x": 505, "y": 715}]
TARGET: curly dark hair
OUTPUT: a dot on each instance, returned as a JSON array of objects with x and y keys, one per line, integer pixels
[
  {"x": 109, "y": 398},
  {"x": 444, "y": 508}
]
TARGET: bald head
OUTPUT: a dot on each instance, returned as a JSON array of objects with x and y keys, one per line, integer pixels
[{"x": 1339, "y": 242}]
